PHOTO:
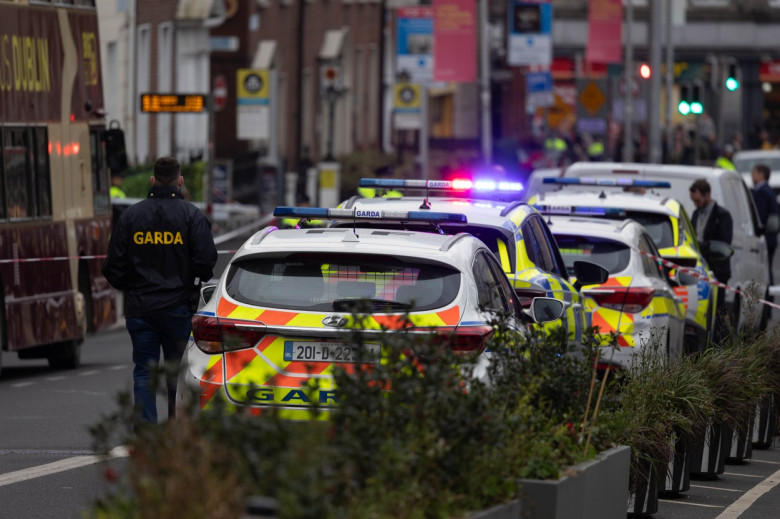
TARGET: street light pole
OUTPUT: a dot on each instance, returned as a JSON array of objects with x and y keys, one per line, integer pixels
[
  {"x": 654, "y": 99},
  {"x": 628, "y": 99},
  {"x": 487, "y": 123}
]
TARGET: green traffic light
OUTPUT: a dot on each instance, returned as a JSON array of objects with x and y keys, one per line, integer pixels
[
  {"x": 684, "y": 108},
  {"x": 732, "y": 83},
  {"x": 696, "y": 108}
]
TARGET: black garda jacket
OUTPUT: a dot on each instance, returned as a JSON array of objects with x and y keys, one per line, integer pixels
[{"x": 157, "y": 249}]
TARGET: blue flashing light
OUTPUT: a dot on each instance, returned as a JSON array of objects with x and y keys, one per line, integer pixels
[
  {"x": 616, "y": 182},
  {"x": 573, "y": 210},
  {"x": 368, "y": 214},
  {"x": 459, "y": 185}
]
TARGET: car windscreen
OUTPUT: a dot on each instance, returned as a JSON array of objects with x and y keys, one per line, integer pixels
[
  {"x": 612, "y": 255},
  {"x": 745, "y": 165},
  {"x": 335, "y": 282},
  {"x": 658, "y": 226}
]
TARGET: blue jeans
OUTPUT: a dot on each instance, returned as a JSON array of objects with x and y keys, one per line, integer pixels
[{"x": 167, "y": 330}]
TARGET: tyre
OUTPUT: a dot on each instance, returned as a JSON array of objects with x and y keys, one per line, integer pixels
[{"x": 68, "y": 356}]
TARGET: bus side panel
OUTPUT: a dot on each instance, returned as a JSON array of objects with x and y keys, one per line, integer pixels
[
  {"x": 93, "y": 235},
  {"x": 39, "y": 295}
]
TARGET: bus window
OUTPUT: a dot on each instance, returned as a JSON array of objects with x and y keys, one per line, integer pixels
[
  {"x": 42, "y": 177},
  {"x": 17, "y": 158},
  {"x": 100, "y": 180}
]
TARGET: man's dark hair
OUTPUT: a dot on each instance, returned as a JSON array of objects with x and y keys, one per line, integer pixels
[
  {"x": 764, "y": 170},
  {"x": 167, "y": 170},
  {"x": 702, "y": 186}
]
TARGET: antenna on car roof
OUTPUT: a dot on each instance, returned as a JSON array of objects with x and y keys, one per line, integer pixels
[{"x": 426, "y": 204}]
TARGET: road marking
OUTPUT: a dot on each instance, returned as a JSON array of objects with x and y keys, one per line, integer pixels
[
  {"x": 55, "y": 378},
  {"x": 717, "y": 488},
  {"x": 742, "y": 475},
  {"x": 117, "y": 368},
  {"x": 22, "y": 384},
  {"x": 751, "y": 496},
  {"x": 678, "y": 502},
  {"x": 74, "y": 462},
  {"x": 767, "y": 462},
  {"x": 87, "y": 373}
]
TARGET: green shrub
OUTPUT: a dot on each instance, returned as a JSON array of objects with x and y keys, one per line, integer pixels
[
  {"x": 444, "y": 440},
  {"x": 136, "y": 183}
]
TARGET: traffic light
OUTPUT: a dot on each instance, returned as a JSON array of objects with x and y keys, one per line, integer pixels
[
  {"x": 645, "y": 71},
  {"x": 696, "y": 106},
  {"x": 732, "y": 83},
  {"x": 685, "y": 99}
]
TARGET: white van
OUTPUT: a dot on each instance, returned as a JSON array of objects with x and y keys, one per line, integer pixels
[{"x": 749, "y": 261}]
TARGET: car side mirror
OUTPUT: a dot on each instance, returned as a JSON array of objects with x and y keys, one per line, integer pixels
[
  {"x": 206, "y": 293},
  {"x": 545, "y": 309},
  {"x": 719, "y": 251},
  {"x": 685, "y": 279},
  {"x": 526, "y": 291},
  {"x": 588, "y": 273}
]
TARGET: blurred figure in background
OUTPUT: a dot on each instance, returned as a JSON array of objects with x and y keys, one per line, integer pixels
[{"x": 768, "y": 212}]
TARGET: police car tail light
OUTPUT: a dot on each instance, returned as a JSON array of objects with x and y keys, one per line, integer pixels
[
  {"x": 463, "y": 339},
  {"x": 218, "y": 334},
  {"x": 623, "y": 299}
]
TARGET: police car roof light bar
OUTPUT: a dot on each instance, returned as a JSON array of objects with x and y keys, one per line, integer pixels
[
  {"x": 578, "y": 210},
  {"x": 368, "y": 214},
  {"x": 459, "y": 184},
  {"x": 616, "y": 182}
]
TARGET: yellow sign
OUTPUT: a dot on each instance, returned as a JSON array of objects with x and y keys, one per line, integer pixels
[
  {"x": 253, "y": 86},
  {"x": 192, "y": 103},
  {"x": 407, "y": 96},
  {"x": 592, "y": 98}
]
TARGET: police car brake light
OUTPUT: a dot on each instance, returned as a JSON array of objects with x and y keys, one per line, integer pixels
[
  {"x": 575, "y": 210},
  {"x": 616, "y": 182},
  {"x": 463, "y": 339},
  {"x": 369, "y": 214},
  {"x": 458, "y": 184},
  {"x": 622, "y": 299},
  {"x": 213, "y": 334}
]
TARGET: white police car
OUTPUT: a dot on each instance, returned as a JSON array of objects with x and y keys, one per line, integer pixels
[{"x": 280, "y": 320}]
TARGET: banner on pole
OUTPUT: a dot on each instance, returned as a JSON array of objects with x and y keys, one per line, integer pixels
[
  {"x": 605, "y": 23},
  {"x": 455, "y": 41},
  {"x": 530, "y": 33},
  {"x": 414, "y": 43}
]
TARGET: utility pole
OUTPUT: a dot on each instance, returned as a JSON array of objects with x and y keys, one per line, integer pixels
[
  {"x": 628, "y": 98},
  {"x": 669, "y": 75},
  {"x": 487, "y": 123},
  {"x": 654, "y": 99}
]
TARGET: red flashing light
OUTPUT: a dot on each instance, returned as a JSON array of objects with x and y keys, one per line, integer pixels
[
  {"x": 645, "y": 71},
  {"x": 463, "y": 184},
  {"x": 72, "y": 117},
  {"x": 76, "y": 147}
]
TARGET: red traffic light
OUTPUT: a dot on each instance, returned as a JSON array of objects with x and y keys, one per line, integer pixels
[{"x": 645, "y": 71}]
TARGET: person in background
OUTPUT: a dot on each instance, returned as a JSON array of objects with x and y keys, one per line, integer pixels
[
  {"x": 116, "y": 187},
  {"x": 160, "y": 251},
  {"x": 370, "y": 192},
  {"x": 712, "y": 223},
  {"x": 724, "y": 160},
  {"x": 766, "y": 204}
]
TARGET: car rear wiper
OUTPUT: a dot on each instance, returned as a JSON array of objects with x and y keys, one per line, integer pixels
[{"x": 346, "y": 305}]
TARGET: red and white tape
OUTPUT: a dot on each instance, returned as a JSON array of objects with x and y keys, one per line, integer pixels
[{"x": 702, "y": 277}]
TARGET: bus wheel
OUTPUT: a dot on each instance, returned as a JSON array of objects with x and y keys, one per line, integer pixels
[{"x": 68, "y": 355}]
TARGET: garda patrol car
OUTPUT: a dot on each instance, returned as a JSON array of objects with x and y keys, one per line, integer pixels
[
  {"x": 280, "y": 319},
  {"x": 515, "y": 232},
  {"x": 666, "y": 222},
  {"x": 636, "y": 303}
]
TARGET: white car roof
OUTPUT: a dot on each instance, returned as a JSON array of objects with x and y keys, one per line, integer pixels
[
  {"x": 625, "y": 231},
  {"x": 608, "y": 197},
  {"x": 445, "y": 248}
]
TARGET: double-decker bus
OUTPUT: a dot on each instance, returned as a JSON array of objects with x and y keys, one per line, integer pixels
[{"x": 55, "y": 209}]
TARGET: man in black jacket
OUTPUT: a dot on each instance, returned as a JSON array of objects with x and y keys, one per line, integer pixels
[
  {"x": 712, "y": 223},
  {"x": 766, "y": 205},
  {"x": 160, "y": 251}
]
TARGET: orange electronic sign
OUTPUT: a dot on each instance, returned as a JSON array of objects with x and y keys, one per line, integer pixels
[{"x": 188, "y": 103}]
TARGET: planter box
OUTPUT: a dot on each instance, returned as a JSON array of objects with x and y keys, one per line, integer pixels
[
  {"x": 678, "y": 472},
  {"x": 597, "y": 488},
  {"x": 708, "y": 455},
  {"x": 764, "y": 424},
  {"x": 509, "y": 510}
]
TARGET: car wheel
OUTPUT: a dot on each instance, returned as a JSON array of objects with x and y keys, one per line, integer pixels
[{"x": 68, "y": 358}]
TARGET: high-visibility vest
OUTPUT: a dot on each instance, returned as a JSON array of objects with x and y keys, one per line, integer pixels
[
  {"x": 116, "y": 192},
  {"x": 596, "y": 149},
  {"x": 555, "y": 144},
  {"x": 724, "y": 163},
  {"x": 370, "y": 192}
]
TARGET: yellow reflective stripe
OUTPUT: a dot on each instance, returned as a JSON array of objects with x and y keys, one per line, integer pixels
[
  {"x": 246, "y": 313},
  {"x": 503, "y": 255},
  {"x": 307, "y": 320}
]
